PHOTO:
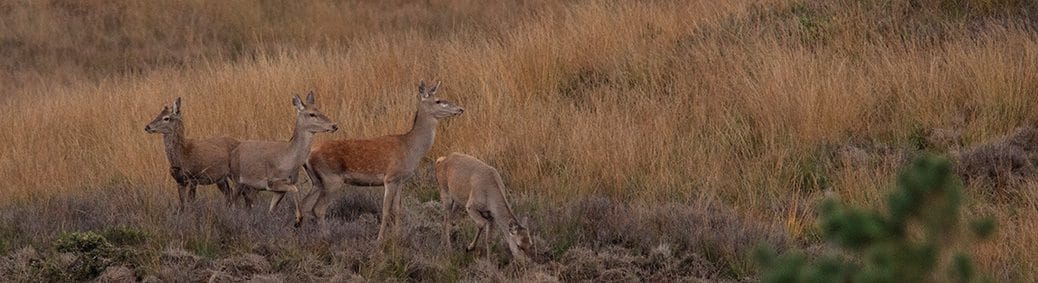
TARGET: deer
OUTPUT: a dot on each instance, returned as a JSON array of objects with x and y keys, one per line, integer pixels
[
  {"x": 463, "y": 179},
  {"x": 387, "y": 161},
  {"x": 192, "y": 162},
  {"x": 274, "y": 165}
]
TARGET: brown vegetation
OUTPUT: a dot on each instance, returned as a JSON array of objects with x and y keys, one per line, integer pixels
[
  {"x": 1004, "y": 165},
  {"x": 708, "y": 125}
]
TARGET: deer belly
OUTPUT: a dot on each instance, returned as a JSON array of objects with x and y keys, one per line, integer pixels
[
  {"x": 255, "y": 183},
  {"x": 184, "y": 177},
  {"x": 362, "y": 179}
]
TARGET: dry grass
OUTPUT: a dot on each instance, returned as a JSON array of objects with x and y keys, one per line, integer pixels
[{"x": 755, "y": 106}]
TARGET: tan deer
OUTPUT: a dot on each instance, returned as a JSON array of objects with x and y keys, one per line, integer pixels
[
  {"x": 383, "y": 161},
  {"x": 274, "y": 165},
  {"x": 463, "y": 179},
  {"x": 192, "y": 162}
]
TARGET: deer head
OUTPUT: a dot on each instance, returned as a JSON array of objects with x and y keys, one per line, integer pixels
[
  {"x": 167, "y": 121},
  {"x": 431, "y": 105},
  {"x": 308, "y": 118},
  {"x": 519, "y": 235}
]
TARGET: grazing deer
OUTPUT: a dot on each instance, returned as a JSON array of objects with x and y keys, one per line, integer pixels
[
  {"x": 465, "y": 179},
  {"x": 192, "y": 162},
  {"x": 383, "y": 161},
  {"x": 274, "y": 165}
]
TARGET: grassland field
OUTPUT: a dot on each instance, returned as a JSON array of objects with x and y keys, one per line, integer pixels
[{"x": 646, "y": 140}]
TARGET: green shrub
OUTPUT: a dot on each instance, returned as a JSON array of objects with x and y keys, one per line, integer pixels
[
  {"x": 82, "y": 242},
  {"x": 93, "y": 254},
  {"x": 204, "y": 248},
  {"x": 908, "y": 243},
  {"x": 123, "y": 235}
]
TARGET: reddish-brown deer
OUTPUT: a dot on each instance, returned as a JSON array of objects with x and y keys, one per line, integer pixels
[
  {"x": 192, "y": 162},
  {"x": 274, "y": 165},
  {"x": 463, "y": 179},
  {"x": 383, "y": 161}
]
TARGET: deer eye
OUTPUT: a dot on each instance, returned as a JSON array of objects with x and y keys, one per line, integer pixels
[
  {"x": 165, "y": 118},
  {"x": 313, "y": 115}
]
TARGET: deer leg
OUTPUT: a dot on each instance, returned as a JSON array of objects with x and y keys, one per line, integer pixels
[
  {"x": 181, "y": 196},
  {"x": 238, "y": 191},
  {"x": 311, "y": 199},
  {"x": 316, "y": 184},
  {"x": 320, "y": 198},
  {"x": 279, "y": 194},
  {"x": 447, "y": 205},
  {"x": 320, "y": 209},
  {"x": 298, "y": 206},
  {"x": 472, "y": 245},
  {"x": 232, "y": 195},
  {"x": 481, "y": 222},
  {"x": 274, "y": 201},
  {"x": 225, "y": 189},
  {"x": 388, "y": 215},
  {"x": 250, "y": 195},
  {"x": 397, "y": 211},
  {"x": 191, "y": 192},
  {"x": 486, "y": 238}
]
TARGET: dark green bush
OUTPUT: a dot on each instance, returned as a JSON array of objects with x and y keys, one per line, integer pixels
[
  {"x": 905, "y": 244},
  {"x": 82, "y": 242},
  {"x": 94, "y": 252},
  {"x": 123, "y": 235}
]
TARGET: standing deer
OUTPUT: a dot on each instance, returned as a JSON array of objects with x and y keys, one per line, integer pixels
[
  {"x": 192, "y": 162},
  {"x": 467, "y": 180},
  {"x": 274, "y": 165},
  {"x": 383, "y": 161}
]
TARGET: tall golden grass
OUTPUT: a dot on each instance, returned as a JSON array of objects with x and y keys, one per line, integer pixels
[{"x": 730, "y": 101}]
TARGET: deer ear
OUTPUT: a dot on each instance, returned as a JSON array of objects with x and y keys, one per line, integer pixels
[
  {"x": 310, "y": 101},
  {"x": 298, "y": 103},
  {"x": 432, "y": 91},
  {"x": 422, "y": 93},
  {"x": 176, "y": 107}
]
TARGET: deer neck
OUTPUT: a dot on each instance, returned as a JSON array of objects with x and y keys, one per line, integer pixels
[
  {"x": 419, "y": 139},
  {"x": 503, "y": 215},
  {"x": 298, "y": 148},
  {"x": 176, "y": 147},
  {"x": 502, "y": 211}
]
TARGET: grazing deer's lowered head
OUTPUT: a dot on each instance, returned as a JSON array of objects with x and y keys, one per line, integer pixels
[
  {"x": 519, "y": 236},
  {"x": 465, "y": 180}
]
